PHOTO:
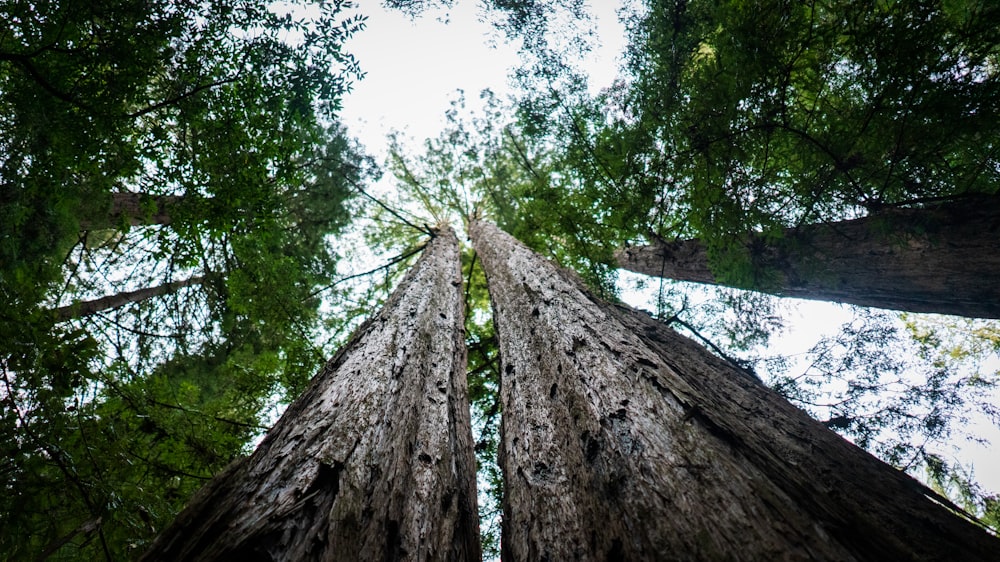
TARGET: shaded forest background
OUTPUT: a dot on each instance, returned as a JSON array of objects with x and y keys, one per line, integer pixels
[{"x": 187, "y": 232}]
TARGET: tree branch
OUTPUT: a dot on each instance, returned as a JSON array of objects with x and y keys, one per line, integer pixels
[
  {"x": 193, "y": 92},
  {"x": 89, "y": 308}
]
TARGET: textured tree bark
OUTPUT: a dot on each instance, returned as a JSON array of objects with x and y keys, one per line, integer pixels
[
  {"x": 137, "y": 209},
  {"x": 87, "y": 308},
  {"x": 942, "y": 259},
  {"x": 373, "y": 462},
  {"x": 622, "y": 440}
]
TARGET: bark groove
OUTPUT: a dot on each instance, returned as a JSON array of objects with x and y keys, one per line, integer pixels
[
  {"x": 373, "y": 462},
  {"x": 941, "y": 259},
  {"x": 622, "y": 440}
]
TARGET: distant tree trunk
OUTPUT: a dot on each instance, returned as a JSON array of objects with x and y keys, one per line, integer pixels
[
  {"x": 87, "y": 308},
  {"x": 137, "y": 209},
  {"x": 373, "y": 462},
  {"x": 622, "y": 440},
  {"x": 942, "y": 259}
]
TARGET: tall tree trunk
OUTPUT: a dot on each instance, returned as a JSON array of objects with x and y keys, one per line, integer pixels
[
  {"x": 622, "y": 440},
  {"x": 137, "y": 209},
  {"x": 373, "y": 462},
  {"x": 942, "y": 259},
  {"x": 88, "y": 308}
]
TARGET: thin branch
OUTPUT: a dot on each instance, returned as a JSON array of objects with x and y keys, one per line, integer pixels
[
  {"x": 391, "y": 211},
  {"x": 468, "y": 281},
  {"x": 136, "y": 331},
  {"x": 732, "y": 360},
  {"x": 579, "y": 133},
  {"x": 193, "y": 92},
  {"x": 24, "y": 63},
  {"x": 216, "y": 418},
  {"x": 86, "y": 527},
  {"x": 522, "y": 155},
  {"x": 386, "y": 265}
]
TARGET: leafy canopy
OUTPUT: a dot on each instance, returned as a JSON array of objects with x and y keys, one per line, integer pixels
[
  {"x": 220, "y": 116},
  {"x": 749, "y": 117}
]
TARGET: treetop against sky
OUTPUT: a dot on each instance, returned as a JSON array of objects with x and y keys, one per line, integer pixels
[{"x": 190, "y": 225}]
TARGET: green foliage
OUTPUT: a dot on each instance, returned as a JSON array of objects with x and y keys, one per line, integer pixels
[
  {"x": 738, "y": 120},
  {"x": 226, "y": 111},
  {"x": 196, "y": 100},
  {"x": 947, "y": 340},
  {"x": 957, "y": 484},
  {"x": 904, "y": 406},
  {"x": 483, "y": 165},
  {"x": 484, "y": 396},
  {"x": 128, "y": 451},
  {"x": 533, "y": 21}
]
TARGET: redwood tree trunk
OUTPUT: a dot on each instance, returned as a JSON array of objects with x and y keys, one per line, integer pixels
[
  {"x": 137, "y": 209},
  {"x": 373, "y": 462},
  {"x": 622, "y": 440},
  {"x": 87, "y": 308},
  {"x": 942, "y": 259}
]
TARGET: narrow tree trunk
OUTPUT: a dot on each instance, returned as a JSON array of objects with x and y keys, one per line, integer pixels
[
  {"x": 88, "y": 308},
  {"x": 137, "y": 209},
  {"x": 942, "y": 259},
  {"x": 373, "y": 462},
  {"x": 622, "y": 440}
]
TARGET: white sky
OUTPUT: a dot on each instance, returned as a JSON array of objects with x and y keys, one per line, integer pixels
[
  {"x": 414, "y": 68},
  {"x": 413, "y": 71}
]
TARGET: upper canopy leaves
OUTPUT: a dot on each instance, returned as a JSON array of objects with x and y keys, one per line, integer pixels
[
  {"x": 743, "y": 117},
  {"x": 225, "y": 111}
]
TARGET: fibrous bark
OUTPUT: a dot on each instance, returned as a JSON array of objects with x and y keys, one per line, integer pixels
[
  {"x": 941, "y": 259},
  {"x": 622, "y": 440},
  {"x": 88, "y": 308},
  {"x": 373, "y": 462}
]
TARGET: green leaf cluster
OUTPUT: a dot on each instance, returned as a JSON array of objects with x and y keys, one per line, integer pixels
[
  {"x": 736, "y": 120},
  {"x": 221, "y": 117},
  {"x": 128, "y": 452}
]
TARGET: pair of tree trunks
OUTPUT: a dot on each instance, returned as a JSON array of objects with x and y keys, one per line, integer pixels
[
  {"x": 940, "y": 258},
  {"x": 621, "y": 440}
]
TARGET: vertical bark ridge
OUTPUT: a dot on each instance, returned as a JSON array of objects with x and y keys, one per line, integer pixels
[
  {"x": 940, "y": 259},
  {"x": 373, "y": 462},
  {"x": 622, "y": 440}
]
